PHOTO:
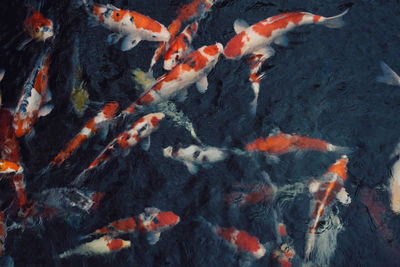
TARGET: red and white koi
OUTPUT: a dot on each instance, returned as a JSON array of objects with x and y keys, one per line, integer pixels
[
  {"x": 38, "y": 27},
  {"x": 34, "y": 95},
  {"x": 7, "y": 167},
  {"x": 152, "y": 222},
  {"x": 101, "y": 246},
  {"x": 193, "y": 11},
  {"x": 388, "y": 76},
  {"x": 326, "y": 190},
  {"x": 242, "y": 241},
  {"x": 88, "y": 131},
  {"x": 193, "y": 156},
  {"x": 140, "y": 130},
  {"x": 180, "y": 47},
  {"x": 194, "y": 69},
  {"x": 130, "y": 25},
  {"x": 259, "y": 193},
  {"x": 256, "y": 39},
  {"x": 278, "y": 143}
]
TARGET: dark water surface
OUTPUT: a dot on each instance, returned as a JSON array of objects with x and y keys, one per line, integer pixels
[{"x": 322, "y": 85}]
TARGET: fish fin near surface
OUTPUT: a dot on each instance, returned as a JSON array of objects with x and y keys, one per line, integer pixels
[
  {"x": 191, "y": 167},
  {"x": 267, "y": 52},
  {"x": 151, "y": 210},
  {"x": 343, "y": 150},
  {"x": 129, "y": 42},
  {"x": 112, "y": 38},
  {"x": 153, "y": 237},
  {"x": 45, "y": 110},
  {"x": 343, "y": 196},
  {"x": 49, "y": 96},
  {"x": 145, "y": 143},
  {"x": 335, "y": 21},
  {"x": 240, "y": 25},
  {"x": 389, "y": 76},
  {"x": 253, "y": 104},
  {"x": 23, "y": 44},
  {"x": 202, "y": 85},
  {"x": 281, "y": 40}
]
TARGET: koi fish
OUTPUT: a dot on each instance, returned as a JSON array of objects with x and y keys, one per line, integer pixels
[
  {"x": 193, "y": 156},
  {"x": 132, "y": 26},
  {"x": 257, "y": 40},
  {"x": 7, "y": 167},
  {"x": 38, "y": 27},
  {"x": 278, "y": 143},
  {"x": 88, "y": 131},
  {"x": 194, "y": 69},
  {"x": 9, "y": 148},
  {"x": 139, "y": 131},
  {"x": 35, "y": 94},
  {"x": 389, "y": 76},
  {"x": 242, "y": 241},
  {"x": 152, "y": 222},
  {"x": 394, "y": 185},
  {"x": 101, "y": 246},
  {"x": 180, "y": 47},
  {"x": 260, "y": 193},
  {"x": 193, "y": 11},
  {"x": 326, "y": 190}
]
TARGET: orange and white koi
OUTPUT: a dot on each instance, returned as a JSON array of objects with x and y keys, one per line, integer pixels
[
  {"x": 101, "y": 246},
  {"x": 130, "y": 25},
  {"x": 259, "y": 193},
  {"x": 326, "y": 190},
  {"x": 257, "y": 40},
  {"x": 193, "y": 156},
  {"x": 193, "y": 11},
  {"x": 7, "y": 167},
  {"x": 278, "y": 143},
  {"x": 38, "y": 27},
  {"x": 388, "y": 76},
  {"x": 242, "y": 241},
  {"x": 9, "y": 148},
  {"x": 140, "y": 130},
  {"x": 34, "y": 95},
  {"x": 88, "y": 131},
  {"x": 194, "y": 69},
  {"x": 180, "y": 47},
  {"x": 152, "y": 222}
]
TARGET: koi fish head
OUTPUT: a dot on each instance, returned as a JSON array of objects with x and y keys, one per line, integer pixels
[
  {"x": 177, "y": 50},
  {"x": 22, "y": 124},
  {"x": 154, "y": 219},
  {"x": 339, "y": 168},
  {"x": 150, "y": 29},
  {"x": 10, "y": 167},
  {"x": 237, "y": 46},
  {"x": 38, "y": 27},
  {"x": 171, "y": 151}
]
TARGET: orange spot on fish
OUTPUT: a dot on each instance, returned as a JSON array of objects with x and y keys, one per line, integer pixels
[
  {"x": 166, "y": 218},
  {"x": 115, "y": 244},
  {"x": 119, "y": 15},
  {"x": 147, "y": 98},
  {"x": 282, "y": 230},
  {"x": 110, "y": 109},
  {"x": 306, "y": 143},
  {"x": 126, "y": 225},
  {"x": 234, "y": 47},
  {"x": 340, "y": 168},
  {"x": 154, "y": 121},
  {"x": 316, "y": 18},
  {"x": 247, "y": 242},
  {"x": 211, "y": 50},
  {"x": 97, "y": 12},
  {"x": 278, "y": 22},
  {"x": 146, "y": 23}
]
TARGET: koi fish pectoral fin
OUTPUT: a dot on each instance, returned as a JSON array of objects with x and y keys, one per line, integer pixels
[
  {"x": 267, "y": 52},
  {"x": 145, "y": 143},
  {"x": 45, "y": 110},
  {"x": 282, "y": 40},
  {"x": 240, "y": 25},
  {"x": 153, "y": 237},
  {"x": 112, "y": 38},
  {"x": 191, "y": 167},
  {"x": 202, "y": 85},
  {"x": 389, "y": 76},
  {"x": 343, "y": 196},
  {"x": 49, "y": 96},
  {"x": 130, "y": 42}
]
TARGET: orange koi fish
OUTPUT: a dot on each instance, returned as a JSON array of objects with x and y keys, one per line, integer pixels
[
  {"x": 88, "y": 131},
  {"x": 101, "y": 246},
  {"x": 257, "y": 40},
  {"x": 35, "y": 94},
  {"x": 151, "y": 222},
  {"x": 9, "y": 148},
  {"x": 38, "y": 28},
  {"x": 194, "y": 69},
  {"x": 123, "y": 142},
  {"x": 278, "y": 143},
  {"x": 180, "y": 47},
  {"x": 261, "y": 193},
  {"x": 132, "y": 26},
  {"x": 242, "y": 241},
  {"x": 326, "y": 190},
  {"x": 193, "y": 11},
  {"x": 7, "y": 167}
]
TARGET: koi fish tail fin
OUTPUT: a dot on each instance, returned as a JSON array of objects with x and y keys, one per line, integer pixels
[
  {"x": 342, "y": 150},
  {"x": 80, "y": 179},
  {"x": 309, "y": 245},
  {"x": 389, "y": 76},
  {"x": 2, "y": 74},
  {"x": 335, "y": 21}
]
